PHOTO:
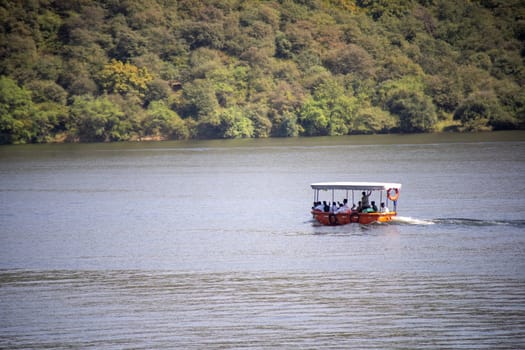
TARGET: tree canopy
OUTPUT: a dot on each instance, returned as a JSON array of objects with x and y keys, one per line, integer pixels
[{"x": 113, "y": 70}]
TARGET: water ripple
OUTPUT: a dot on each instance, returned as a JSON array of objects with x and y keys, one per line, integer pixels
[{"x": 152, "y": 309}]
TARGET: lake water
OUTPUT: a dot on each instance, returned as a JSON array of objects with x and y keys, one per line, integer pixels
[{"x": 210, "y": 244}]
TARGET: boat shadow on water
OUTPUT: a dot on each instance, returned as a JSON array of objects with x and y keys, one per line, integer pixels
[{"x": 372, "y": 229}]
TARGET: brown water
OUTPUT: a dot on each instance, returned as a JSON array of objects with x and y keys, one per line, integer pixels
[{"x": 211, "y": 245}]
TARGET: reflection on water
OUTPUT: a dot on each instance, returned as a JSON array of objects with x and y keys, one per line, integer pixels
[{"x": 152, "y": 309}]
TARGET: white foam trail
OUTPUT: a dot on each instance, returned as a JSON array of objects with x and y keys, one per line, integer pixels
[{"x": 411, "y": 221}]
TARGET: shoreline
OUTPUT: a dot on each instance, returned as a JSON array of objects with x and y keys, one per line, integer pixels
[{"x": 360, "y": 139}]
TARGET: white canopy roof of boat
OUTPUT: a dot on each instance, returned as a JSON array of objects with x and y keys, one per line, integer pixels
[{"x": 361, "y": 186}]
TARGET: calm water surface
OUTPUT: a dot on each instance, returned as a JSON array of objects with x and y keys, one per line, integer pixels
[{"x": 210, "y": 244}]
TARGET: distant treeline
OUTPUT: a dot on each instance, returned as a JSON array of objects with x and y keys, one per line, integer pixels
[{"x": 112, "y": 70}]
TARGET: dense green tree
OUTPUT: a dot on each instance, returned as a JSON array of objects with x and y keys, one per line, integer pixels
[
  {"x": 128, "y": 43},
  {"x": 350, "y": 59},
  {"x": 481, "y": 112},
  {"x": 511, "y": 97},
  {"x": 286, "y": 125},
  {"x": 446, "y": 92},
  {"x": 49, "y": 24},
  {"x": 98, "y": 119},
  {"x": 203, "y": 34},
  {"x": 407, "y": 100},
  {"x": 16, "y": 111},
  {"x": 415, "y": 111},
  {"x": 162, "y": 122},
  {"x": 262, "y": 125},
  {"x": 77, "y": 79},
  {"x": 369, "y": 120},
  {"x": 50, "y": 122},
  {"x": 200, "y": 99},
  {"x": 378, "y": 8},
  {"x": 117, "y": 70},
  {"x": 235, "y": 124},
  {"x": 47, "y": 90},
  {"x": 329, "y": 112},
  {"x": 314, "y": 120},
  {"x": 49, "y": 67},
  {"x": 283, "y": 46},
  {"x": 157, "y": 90}
]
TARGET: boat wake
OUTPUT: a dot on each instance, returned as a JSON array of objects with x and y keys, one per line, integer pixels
[
  {"x": 477, "y": 222},
  {"x": 411, "y": 221},
  {"x": 457, "y": 221}
]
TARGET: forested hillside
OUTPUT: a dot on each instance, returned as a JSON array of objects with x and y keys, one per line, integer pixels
[{"x": 111, "y": 70}]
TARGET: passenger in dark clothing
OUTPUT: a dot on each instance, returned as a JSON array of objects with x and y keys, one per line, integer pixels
[{"x": 364, "y": 200}]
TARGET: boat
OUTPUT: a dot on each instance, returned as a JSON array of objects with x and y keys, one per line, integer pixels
[{"x": 386, "y": 193}]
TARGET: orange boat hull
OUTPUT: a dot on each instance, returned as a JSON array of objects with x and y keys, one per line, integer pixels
[{"x": 350, "y": 218}]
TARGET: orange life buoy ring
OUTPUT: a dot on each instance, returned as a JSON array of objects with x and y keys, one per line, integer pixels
[
  {"x": 354, "y": 218},
  {"x": 393, "y": 197}
]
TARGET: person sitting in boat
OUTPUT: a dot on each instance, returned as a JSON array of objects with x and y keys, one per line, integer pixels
[
  {"x": 365, "y": 204},
  {"x": 374, "y": 206},
  {"x": 383, "y": 208},
  {"x": 359, "y": 206},
  {"x": 333, "y": 209},
  {"x": 343, "y": 209},
  {"x": 318, "y": 206},
  {"x": 326, "y": 207}
]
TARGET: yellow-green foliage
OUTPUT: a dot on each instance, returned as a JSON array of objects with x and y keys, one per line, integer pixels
[{"x": 123, "y": 78}]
